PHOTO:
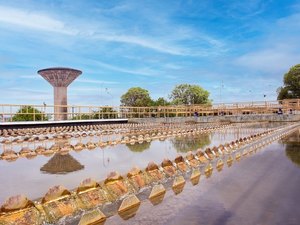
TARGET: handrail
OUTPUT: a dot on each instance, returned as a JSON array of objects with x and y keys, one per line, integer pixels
[{"x": 48, "y": 112}]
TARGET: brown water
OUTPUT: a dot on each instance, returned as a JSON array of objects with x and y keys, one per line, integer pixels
[
  {"x": 34, "y": 177},
  {"x": 261, "y": 189}
]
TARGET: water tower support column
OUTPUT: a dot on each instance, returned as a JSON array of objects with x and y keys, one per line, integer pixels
[{"x": 60, "y": 101}]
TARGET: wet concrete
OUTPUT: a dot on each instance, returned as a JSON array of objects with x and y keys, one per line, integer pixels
[{"x": 261, "y": 189}]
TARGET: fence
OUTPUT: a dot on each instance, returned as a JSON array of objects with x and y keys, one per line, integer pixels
[{"x": 9, "y": 112}]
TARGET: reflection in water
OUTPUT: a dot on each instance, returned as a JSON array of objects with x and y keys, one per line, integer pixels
[
  {"x": 100, "y": 162},
  {"x": 139, "y": 147},
  {"x": 190, "y": 143},
  {"x": 292, "y": 147},
  {"x": 293, "y": 153},
  {"x": 61, "y": 164}
]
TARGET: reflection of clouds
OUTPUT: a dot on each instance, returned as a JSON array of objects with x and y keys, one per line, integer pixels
[
  {"x": 246, "y": 192},
  {"x": 180, "y": 209}
]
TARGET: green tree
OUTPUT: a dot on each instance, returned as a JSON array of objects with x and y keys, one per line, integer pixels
[
  {"x": 136, "y": 96},
  {"x": 105, "y": 113},
  {"x": 83, "y": 117},
  {"x": 291, "y": 84},
  {"x": 160, "y": 102},
  {"x": 185, "y": 94},
  {"x": 28, "y": 113}
]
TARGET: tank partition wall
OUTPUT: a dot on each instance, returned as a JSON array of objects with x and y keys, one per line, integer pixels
[{"x": 8, "y": 112}]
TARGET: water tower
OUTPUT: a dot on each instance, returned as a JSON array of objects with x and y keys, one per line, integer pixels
[{"x": 60, "y": 78}]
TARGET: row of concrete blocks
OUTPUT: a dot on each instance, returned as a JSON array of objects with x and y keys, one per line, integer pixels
[
  {"x": 76, "y": 128},
  {"x": 129, "y": 133},
  {"x": 65, "y": 148},
  {"x": 91, "y": 196},
  {"x": 104, "y": 129}
]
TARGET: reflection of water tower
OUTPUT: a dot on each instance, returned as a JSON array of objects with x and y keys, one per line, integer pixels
[
  {"x": 61, "y": 164},
  {"x": 60, "y": 78}
]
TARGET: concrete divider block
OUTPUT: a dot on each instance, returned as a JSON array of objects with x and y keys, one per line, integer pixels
[
  {"x": 195, "y": 177},
  {"x": 157, "y": 194},
  {"x": 9, "y": 155},
  {"x": 190, "y": 157},
  {"x": 178, "y": 184},
  {"x": 209, "y": 154},
  {"x": 19, "y": 210},
  {"x": 116, "y": 186},
  {"x": 59, "y": 208},
  {"x": 251, "y": 150},
  {"x": 86, "y": 185},
  {"x": 229, "y": 161},
  {"x": 92, "y": 198},
  {"x": 95, "y": 217},
  {"x": 30, "y": 216},
  {"x": 245, "y": 152},
  {"x": 219, "y": 165},
  {"x": 129, "y": 207},
  {"x": 153, "y": 172},
  {"x": 208, "y": 170},
  {"x": 57, "y": 203},
  {"x": 238, "y": 156},
  {"x": 180, "y": 163},
  {"x": 168, "y": 168},
  {"x": 201, "y": 156},
  {"x": 137, "y": 178}
]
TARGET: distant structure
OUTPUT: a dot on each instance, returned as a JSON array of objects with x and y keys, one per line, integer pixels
[{"x": 60, "y": 78}]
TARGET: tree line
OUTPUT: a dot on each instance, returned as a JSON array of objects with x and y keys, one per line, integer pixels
[
  {"x": 291, "y": 84},
  {"x": 183, "y": 94}
]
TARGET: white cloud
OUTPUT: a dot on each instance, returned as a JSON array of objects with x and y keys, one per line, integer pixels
[
  {"x": 144, "y": 42},
  {"x": 33, "y": 20},
  {"x": 172, "y": 66},
  {"x": 93, "y": 81},
  {"x": 43, "y": 22},
  {"x": 140, "y": 71},
  {"x": 34, "y": 77},
  {"x": 269, "y": 60},
  {"x": 164, "y": 43},
  {"x": 278, "y": 51}
]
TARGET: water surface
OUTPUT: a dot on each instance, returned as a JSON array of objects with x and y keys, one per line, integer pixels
[
  {"x": 261, "y": 189},
  {"x": 34, "y": 177}
]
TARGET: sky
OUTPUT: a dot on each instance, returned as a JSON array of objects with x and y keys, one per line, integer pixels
[{"x": 237, "y": 50}]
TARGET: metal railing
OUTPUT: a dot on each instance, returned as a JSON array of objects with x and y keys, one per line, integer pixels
[{"x": 10, "y": 112}]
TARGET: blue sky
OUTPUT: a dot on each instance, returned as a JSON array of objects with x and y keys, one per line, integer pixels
[{"x": 153, "y": 44}]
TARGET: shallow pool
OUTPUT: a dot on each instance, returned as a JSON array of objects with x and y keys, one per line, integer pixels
[{"x": 34, "y": 177}]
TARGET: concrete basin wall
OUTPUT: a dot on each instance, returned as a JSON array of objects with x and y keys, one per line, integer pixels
[{"x": 229, "y": 118}]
